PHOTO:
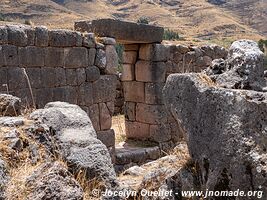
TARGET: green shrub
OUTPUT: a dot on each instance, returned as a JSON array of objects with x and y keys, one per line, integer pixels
[
  {"x": 119, "y": 50},
  {"x": 262, "y": 43},
  {"x": 170, "y": 35},
  {"x": 143, "y": 20}
]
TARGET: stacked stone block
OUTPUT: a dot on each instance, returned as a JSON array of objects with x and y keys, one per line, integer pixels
[
  {"x": 145, "y": 69},
  {"x": 119, "y": 101},
  {"x": 61, "y": 65},
  {"x": 180, "y": 59}
]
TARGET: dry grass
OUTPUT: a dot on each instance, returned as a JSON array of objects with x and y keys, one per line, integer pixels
[
  {"x": 19, "y": 164},
  {"x": 118, "y": 125},
  {"x": 206, "y": 79},
  {"x": 190, "y": 19}
]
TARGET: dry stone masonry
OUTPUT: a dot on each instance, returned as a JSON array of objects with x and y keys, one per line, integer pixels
[
  {"x": 40, "y": 65},
  {"x": 146, "y": 65}
]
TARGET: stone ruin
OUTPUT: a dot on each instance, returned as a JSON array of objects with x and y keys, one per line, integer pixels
[
  {"x": 40, "y": 65},
  {"x": 220, "y": 112}
]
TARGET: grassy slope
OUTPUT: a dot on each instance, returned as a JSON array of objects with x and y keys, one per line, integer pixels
[{"x": 191, "y": 18}]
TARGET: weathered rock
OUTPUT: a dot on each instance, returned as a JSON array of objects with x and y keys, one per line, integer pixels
[
  {"x": 41, "y": 36},
  {"x": 146, "y": 71},
  {"x": 61, "y": 115},
  {"x": 3, "y": 35},
  {"x": 225, "y": 128},
  {"x": 11, "y": 121},
  {"x": 64, "y": 38},
  {"x": 134, "y": 91},
  {"x": 95, "y": 160},
  {"x": 53, "y": 181},
  {"x": 244, "y": 67},
  {"x": 112, "y": 60},
  {"x": 108, "y": 41},
  {"x": 9, "y": 105},
  {"x": 101, "y": 59},
  {"x": 10, "y": 55},
  {"x": 154, "y": 52},
  {"x": 76, "y": 57},
  {"x": 92, "y": 73},
  {"x": 76, "y": 137},
  {"x": 16, "y": 35}
]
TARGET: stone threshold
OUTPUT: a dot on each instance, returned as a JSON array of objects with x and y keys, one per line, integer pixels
[{"x": 129, "y": 155}]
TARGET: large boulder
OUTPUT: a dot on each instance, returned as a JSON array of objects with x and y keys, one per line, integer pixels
[
  {"x": 226, "y": 129},
  {"x": 242, "y": 69},
  {"x": 77, "y": 140},
  {"x": 9, "y": 105}
]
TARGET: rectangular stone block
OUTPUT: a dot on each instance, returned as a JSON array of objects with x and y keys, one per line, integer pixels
[
  {"x": 3, "y": 35},
  {"x": 10, "y": 54},
  {"x": 111, "y": 107},
  {"x": 85, "y": 94},
  {"x": 3, "y": 77},
  {"x": 134, "y": 91},
  {"x": 48, "y": 77},
  {"x": 154, "y": 52},
  {"x": 107, "y": 137},
  {"x": 71, "y": 77},
  {"x": 76, "y": 57},
  {"x": 153, "y": 93},
  {"x": 34, "y": 75},
  {"x": 105, "y": 117},
  {"x": 30, "y": 32},
  {"x": 129, "y": 109},
  {"x": 137, "y": 130},
  {"x": 104, "y": 89},
  {"x": 59, "y": 94},
  {"x": 2, "y": 61},
  {"x": 54, "y": 57},
  {"x": 129, "y": 57},
  {"x": 81, "y": 75},
  {"x": 92, "y": 73},
  {"x": 112, "y": 60},
  {"x": 43, "y": 96},
  {"x": 146, "y": 71},
  {"x": 41, "y": 36},
  {"x": 131, "y": 47},
  {"x": 16, "y": 78},
  {"x": 31, "y": 56},
  {"x": 127, "y": 72},
  {"x": 64, "y": 38},
  {"x": 91, "y": 56},
  {"x": 71, "y": 94},
  {"x": 93, "y": 112},
  {"x": 160, "y": 133},
  {"x": 60, "y": 79},
  {"x": 124, "y": 32},
  {"x": 16, "y": 35},
  {"x": 151, "y": 114}
]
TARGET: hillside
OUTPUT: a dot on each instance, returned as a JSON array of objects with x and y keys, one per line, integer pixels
[{"x": 197, "y": 19}]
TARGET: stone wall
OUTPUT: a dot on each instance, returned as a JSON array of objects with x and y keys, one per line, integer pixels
[
  {"x": 145, "y": 69},
  {"x": 61, "y": 65},
  {"x": 180, "y": 59}
]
